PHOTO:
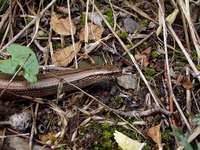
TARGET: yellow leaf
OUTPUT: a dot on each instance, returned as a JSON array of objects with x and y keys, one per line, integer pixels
[
  {"x": 126, "y": 143},
  {"x": 171, "y": 18}
]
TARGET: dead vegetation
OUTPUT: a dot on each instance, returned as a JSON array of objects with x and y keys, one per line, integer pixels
[{"x": 156, "y": 44}]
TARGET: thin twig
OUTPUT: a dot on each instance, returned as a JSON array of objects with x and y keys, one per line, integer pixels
[
  {"x": 192, "y": 65},
  {"x": 157, "y": 101},
  {"x": 27, "y": 26},
  {"x": 168, "y": 69},
  {"x": 140, "y": 42},
  {"x": 145, "y": 113},
  {"x": 72, "y": 34}
]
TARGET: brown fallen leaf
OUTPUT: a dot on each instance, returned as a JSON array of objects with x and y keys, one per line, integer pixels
[
  {"x": 179, "y": 79},
  {"x": 50, "y": 136},
  {"x": 94, "y": 32},
  {"x": 186, "y": 83},
  {"x": 154, "y": 134},
  {"x": 64, "y": 56},
  {"x": 62, "y": 26},
  {"x": 147, "y": 51},
  {"x": 143, "y": 57}
]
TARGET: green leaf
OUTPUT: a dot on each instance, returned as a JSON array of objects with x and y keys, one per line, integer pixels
[
  {"x": 8, "y": 66},
  {"x": 197, "y": 119},
  {"x": 109, "y": 16},
  {"x": 182, "y": 138},
  {"x": 21, "y": 56}
]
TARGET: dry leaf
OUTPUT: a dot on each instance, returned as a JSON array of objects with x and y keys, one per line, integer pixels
[
  {"x": 64, "y": 56},
  {"x": 50, "y": 136},
  {"x": 94, "y": 32},
  {"x": 62, "y": 26},
  {"x": 62, "y": 9},
  {"x": 147, "y": 51},
  {"x": 144, "y": 57},
  {"x": 179, "y": 79},
  {"x": 186, "y": 83},
  {"x": 154, "y": 134},
  {"x": 127, "y": 143}
]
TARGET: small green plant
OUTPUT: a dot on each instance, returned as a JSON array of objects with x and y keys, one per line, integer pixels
[
  {"x": 82, "y": 19},
  {"x": 123, "y": 34},
  {"x": 194, "y": 55},
  {"x": 198, "y": 67},
  {"x": 24, "y": 57},
  {"x": 150, "y": 72},
  {"x": 144, "y": 23},
  {"x": 197, "y": 119},
  {"x": 109, "y": 16},
  {"x": 178, "y": 55},
  {"x": 118, "y": 99},
  {"x": 155, "y": 54},
  {"x": 181, "y": 138}
]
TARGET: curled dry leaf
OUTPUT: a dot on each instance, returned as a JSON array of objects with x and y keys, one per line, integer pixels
[
  {"x": 186, "y": 83},
  {"x": 154, "y": 134},
  {"x": 94, "y": 32},
  {"x": 144, "y": 57},
  {"x": 50, "y": 136},
  {"x": 62, "y": 26},
  {"x": 64, "y": 56}
]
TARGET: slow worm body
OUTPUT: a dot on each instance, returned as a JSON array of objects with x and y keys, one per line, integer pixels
[{"x": 47, "y": 84}]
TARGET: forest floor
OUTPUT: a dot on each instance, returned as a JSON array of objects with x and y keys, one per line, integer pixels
[{"x": 153, "y": 104}]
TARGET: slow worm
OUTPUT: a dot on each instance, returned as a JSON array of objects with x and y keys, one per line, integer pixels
[{"x": 47, "y": 83}]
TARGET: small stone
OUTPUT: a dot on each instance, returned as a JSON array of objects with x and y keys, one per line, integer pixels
[
  {"x": 151, "y": 25},
  {"x": 20, "y": 121},
  {"x": 130, "y": 25},
  {"x": 127, "y": 81},
  {"x": 95, "y": 18}
]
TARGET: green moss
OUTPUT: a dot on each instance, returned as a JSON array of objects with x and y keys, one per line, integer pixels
[
  {"x": 109, "y": 16},
  {"x": 150, "y": 72},
  {"x": 179, "y": 56},
  {"x": 147, "y": 147},
  {"x": 123, "y": 34},
  {"x": 61, "y": 148},
  {"x": 104, "y": 138},
  {"x": 82, "y": 19},
  {"x": 3, "y": 5},
  {"x": 144, "y": 23},
  {"x": 167, "y": 138},
  {"x": 98, "y": 2},
  {"x": 56, "y": 45},
  {"x": 155, "y": 54},
  {"x": 118, "y": 100},
  {"x": 198, "y": 67},
  {"x": 194, "y": 56}
]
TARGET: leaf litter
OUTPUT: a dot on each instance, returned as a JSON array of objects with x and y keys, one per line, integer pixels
[{"x": 65, "y": 40}]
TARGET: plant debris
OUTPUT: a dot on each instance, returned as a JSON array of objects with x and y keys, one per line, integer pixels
[{"x": 148, "y": 97}]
